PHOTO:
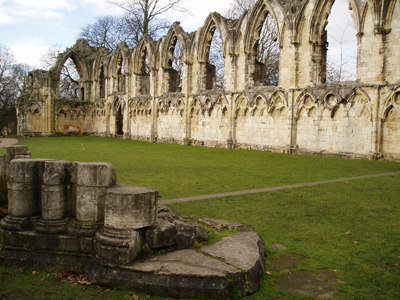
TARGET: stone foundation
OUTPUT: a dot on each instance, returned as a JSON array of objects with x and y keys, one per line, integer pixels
[{"x": 66, "y": 215}]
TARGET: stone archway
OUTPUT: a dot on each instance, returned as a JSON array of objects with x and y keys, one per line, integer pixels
[{"x": 119, "y": 121}]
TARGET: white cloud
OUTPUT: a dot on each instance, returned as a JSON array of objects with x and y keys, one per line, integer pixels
[
  {"x": 5, "y": 19},
  {"x": 30, "y": 51},
  {"x": 46, "y": 4},
  {"x": 20, "y": 11}
]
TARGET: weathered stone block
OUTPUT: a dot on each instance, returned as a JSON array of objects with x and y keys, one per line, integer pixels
[
  {"x": 26, "y": 170},
  {"x": 90, "y": 203},
  {"x": 186, "y": 235},
  {"x": 129, "y": 207},
  {"x": 99, "y": 174},
  {"x": 24, "y": 199},
  {"x": 56, "y": 172},
  {"x": 161, "y": 234},
  {"x": 54, "y": 202}
]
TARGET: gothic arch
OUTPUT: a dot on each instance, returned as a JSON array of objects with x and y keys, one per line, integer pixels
[
  {"x": 122, "y": 52},
  {"x": 33, "y": 108},
  {"x": 391, "y": 102},
  {"x": 175, "y": 33},
  {"x": 306, "y": 100},
  {"x": 257, "y": 15},
  {"x": 214, "y": 21},
  {"x": 146, "y": 44},
  {"x": 319, "y": 18}
]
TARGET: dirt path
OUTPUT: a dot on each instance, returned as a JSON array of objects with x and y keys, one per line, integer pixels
[
  {"x": 7, "y": 142},
  {"x": 276, "y": 188}
]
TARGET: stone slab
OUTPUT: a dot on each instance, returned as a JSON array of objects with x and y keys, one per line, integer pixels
[
  {"x": 50, "y": 261},
  {"x": 286, "y": 262},
  {"x": 244, "y": 250},
  {"x": 306, "y": 282}
]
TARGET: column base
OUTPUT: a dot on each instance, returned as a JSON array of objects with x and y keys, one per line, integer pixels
[
  {"x": 53, "y": 227},
  {"x": 117, "y": 246}
]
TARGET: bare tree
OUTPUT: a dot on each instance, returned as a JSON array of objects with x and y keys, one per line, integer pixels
[
  {"x": 146, "y": 15},
  {"x": 69, "y": 76},
  {"x": 12, "y": 83},
  {"x": 344, "y": 67},
  {"x": 267, "y": 48},
  {"x": 109, "y": 31},
  {"x": 237, "y": 8},
  {"x": 216, "y": 58}
]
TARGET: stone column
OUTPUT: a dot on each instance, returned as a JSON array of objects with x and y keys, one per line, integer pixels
[
  {"x": 55, "y": 212},
  {"x": 24, "y": 194},
  {"x": 16, "y": 151},
  {"x": 127, "y": 209},
  {"x": 92, "y": 181}
]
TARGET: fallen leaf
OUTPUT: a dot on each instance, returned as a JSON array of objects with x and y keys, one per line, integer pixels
[
  {"x": 35, "y": 273},
  {"x": 107, "y": 291},
  {"x": 356, "y": 243},
  {"x": 82, "y": 282},
  {"x": 42, "y": 279},
  {"x": 348, "y": 232},
  {"x": 268, "y": 273},
  {"x": 62, "y": 281},
  {"x": 21, "y": 270},
  {"x": 84, "y": 288},
  {"x": 396, "y": 265},
  {"x": 4, "y": 272},
  {"x": 394, "y": 224},
  {"x": 148, "y": 297},
  {"x": 73, "y": 283},
  {"x": 98, "y": 287},
  {"x": 134, "y": 296},
  {"x": 309, "y": 215}
]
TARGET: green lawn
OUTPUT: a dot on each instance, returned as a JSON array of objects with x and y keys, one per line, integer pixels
[
  {"x": 311, "y": 221},
  {"x": 182, "y": 171}
]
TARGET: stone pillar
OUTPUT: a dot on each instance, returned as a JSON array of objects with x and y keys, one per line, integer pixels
[
  {"x": 24, "y": 194},
  {"x": 16, "y": 151},
  {"x": 92, "y": 181},
  {"x": 55, "y": 212},
  {"x": 127, "y": 209}
]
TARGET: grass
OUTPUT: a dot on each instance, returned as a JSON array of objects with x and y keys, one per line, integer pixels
[
  {"x": 181, "y": 171},
  {"x": 311, "y": 221}
]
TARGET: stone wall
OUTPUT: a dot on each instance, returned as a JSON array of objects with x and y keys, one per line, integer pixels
[{"x": 303, "y": 114}]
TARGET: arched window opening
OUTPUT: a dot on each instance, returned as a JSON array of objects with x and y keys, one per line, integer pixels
[
  {"x": 120, "y": 73},
  {"x": 102, "y": 83},
  {"x": 69, "y": 81},
  {"x": 174, "y": 71},
  {"x": 342, "y": 42},
  {"x": 144, "y": 76},
  {"x": 119, "y": 120},
  {"x": 216, "y": 63},
  {"x": 266, "y": 53}
]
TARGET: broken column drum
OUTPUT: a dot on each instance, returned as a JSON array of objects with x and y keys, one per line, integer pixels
[
  {"x": 127, "y": 210},
  {"x": 92, "y": 181},
  {"x": 24, "y": 193},
  {"x": 55, "y": 204}
]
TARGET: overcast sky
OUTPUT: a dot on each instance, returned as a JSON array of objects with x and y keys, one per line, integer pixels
[{"x": 30, "y": 27}]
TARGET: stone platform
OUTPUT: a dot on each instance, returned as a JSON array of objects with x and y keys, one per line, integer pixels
[{"x": 65, "y": 216}]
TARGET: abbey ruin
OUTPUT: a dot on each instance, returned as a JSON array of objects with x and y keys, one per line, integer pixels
[{"x": 120, "y": 96}]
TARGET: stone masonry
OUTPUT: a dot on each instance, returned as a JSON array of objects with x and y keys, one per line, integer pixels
[
  {"x": 303, "y": 114},
  {"x": 64, "y": 216}
]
